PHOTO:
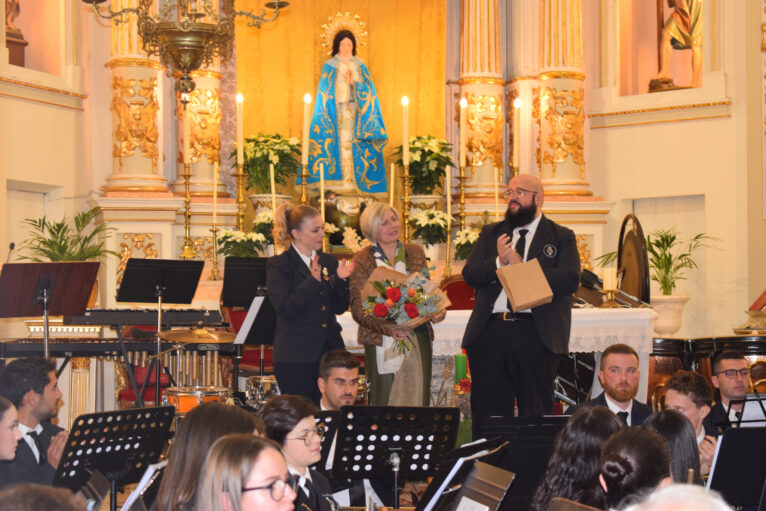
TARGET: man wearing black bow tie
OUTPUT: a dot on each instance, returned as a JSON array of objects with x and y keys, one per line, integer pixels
[{"x": 514, "y": 356}]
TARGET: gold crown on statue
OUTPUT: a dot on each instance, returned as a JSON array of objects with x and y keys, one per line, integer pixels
[{"x": 344, "y": 21}]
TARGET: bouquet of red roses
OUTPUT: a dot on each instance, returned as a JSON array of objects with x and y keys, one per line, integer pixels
[{"x": 408, "y": 301}]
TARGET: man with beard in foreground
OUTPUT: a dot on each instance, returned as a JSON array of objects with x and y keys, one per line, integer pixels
[
  {"x": 619, "y": 376},
  {"x": 514, "y": 356}
]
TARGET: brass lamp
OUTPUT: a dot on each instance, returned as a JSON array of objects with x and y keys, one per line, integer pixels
[{"x": 183, "y": 42}]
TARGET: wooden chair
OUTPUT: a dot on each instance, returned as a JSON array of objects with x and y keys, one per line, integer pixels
[{"x": 462, "y": 296}]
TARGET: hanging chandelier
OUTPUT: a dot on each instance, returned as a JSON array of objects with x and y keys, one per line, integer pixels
[{"x": 178, "y": 34}]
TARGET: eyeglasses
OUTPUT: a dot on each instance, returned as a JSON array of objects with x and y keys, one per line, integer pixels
[
  {"x": 518, "y": 192},
  {"x": 732, "y": 373},
  {"x": 277, "y": 488},
  {"x": 308, "y": 436}
]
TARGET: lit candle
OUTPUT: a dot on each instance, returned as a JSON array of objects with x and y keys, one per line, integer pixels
[
  {"x": 609, "y": 278},
  {"x": 393, "y": 183},
  {"x": 448, "y": 190},
  {"x": 463, "y": 132},
  {"x": 405, "y": 132},
  {"x": 516, "y": 130},
  {"x": 273, "y": 188},
  {"x": 187, "y": 134},
  {"x": 216, "y": 170},
  {"x": 306, "y": 124},
  {"x": 321, "y": 190},
  {"x": 497, "y": 194},
  {"x": 240, "y": 131}
]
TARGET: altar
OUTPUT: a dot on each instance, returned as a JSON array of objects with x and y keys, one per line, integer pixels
[{"x": 592, "y": 331}]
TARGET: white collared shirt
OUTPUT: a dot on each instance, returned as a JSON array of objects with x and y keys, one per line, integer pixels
[
  {"x": 301, "y": 478},
  {"x": 701, "y": 436},
  {"x": 28, "y": 439},
  {"x": 305, "y": 259},
  {"x": 614, "y": 407},
  {"x": 501, "y": 304}
]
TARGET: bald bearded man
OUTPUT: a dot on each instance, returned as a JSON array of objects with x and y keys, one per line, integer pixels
[{"x": 515, "y": 355}]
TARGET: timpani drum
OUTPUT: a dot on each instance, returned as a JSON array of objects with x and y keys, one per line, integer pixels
[{"x": 184, "y": 399}]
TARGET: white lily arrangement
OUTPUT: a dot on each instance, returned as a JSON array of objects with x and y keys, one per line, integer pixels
[
  {"x": 430, "y": 225},
  {"x": 233, "y": 243},
  {"x": 465, "y": 240}
]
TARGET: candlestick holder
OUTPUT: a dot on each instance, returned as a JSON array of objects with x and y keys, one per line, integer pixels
[
  {"x": 304, "y": 179},
  {"x": 214, "y": 275},
  {"x": 514, "y": 171},
  {"x": 461, "y": 177},
  {"x": 609, "y": 302},
  {"x": 187, "y": 250},
  {"x": 447, "y": 267},
  {"x": 406, "y": 181},
  {"x": 240, "y": 180}
]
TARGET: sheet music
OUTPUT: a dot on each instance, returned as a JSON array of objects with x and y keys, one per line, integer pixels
[
  {"x": 249, "y": 319},
  {"x": 715, "y": 461},
  {"x": 467, "y": 504},
  {"x": 448, "y": 479},
  {"x": 143, "y": 484}
]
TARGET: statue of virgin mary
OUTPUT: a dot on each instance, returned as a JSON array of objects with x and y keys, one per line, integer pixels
[{"x": 347, "y": 133}]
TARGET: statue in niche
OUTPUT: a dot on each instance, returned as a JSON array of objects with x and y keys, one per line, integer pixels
[
  {"x": 347, "y": 133},
  {"x": 681, "y": 31}
]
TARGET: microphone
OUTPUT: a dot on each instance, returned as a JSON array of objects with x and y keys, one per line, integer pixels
[{"x": 11, "y": 247}]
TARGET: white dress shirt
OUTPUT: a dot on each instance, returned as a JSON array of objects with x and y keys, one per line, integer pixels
[
  {"x": 501, "y": 304},
  {"x": 29, "y": 440},
  {"x": 614, "y": 407}
]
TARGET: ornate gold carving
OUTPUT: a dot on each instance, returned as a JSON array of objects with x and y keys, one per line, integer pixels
[
  {"x": 80, "y": 363},
  {"x": 483, "y": 80},
  {"x": 135, "y": 104},
  {"x": 343, "y": 21},
  {"x": 203, "y": 247},
  {"x": 536, "y": 117},
  {"x": 131, "y": 62},
  {"x": 563, "y": 111},
  {"x": 510, "y": 96},
  {"x": 136, "y": 242},
  {"x": 485, "y": 120},
  {"x": 566, "y": 75},
  {"x": 584, "y": 251},
  {"x": 205, "y": 111}
]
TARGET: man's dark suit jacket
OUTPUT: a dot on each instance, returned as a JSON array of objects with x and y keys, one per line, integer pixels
[
  {"x": 638, "y": 414},
  {"x": 717, "y": 421},
  {"x": 24, "y": 468},
  {"x": 555, "y": 248},
  {"x": 305, "y": 308},
  {"x": 324, "y": 491}
]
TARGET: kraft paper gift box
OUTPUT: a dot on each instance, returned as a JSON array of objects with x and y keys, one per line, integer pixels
[{"x": 525, "y": 284}]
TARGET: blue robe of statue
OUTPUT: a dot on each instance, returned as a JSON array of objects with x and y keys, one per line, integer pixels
[{"x": 369, "y": 132}]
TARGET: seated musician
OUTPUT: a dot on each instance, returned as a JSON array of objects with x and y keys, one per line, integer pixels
[
  {"x": 31, "y": 385},
  {"x": 339, "y": 383},
  {"x": 619, "y": 375},
  {"x": 289, "y": 421},
  {"x": 690, "y": 393},
  {"x": 731, "y": 377}
]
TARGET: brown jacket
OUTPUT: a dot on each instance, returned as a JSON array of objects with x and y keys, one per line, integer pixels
[{"x": 370, "y": 330}]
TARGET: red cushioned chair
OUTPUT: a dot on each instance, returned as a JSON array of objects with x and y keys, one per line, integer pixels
[{"x": 462, "y": 296}]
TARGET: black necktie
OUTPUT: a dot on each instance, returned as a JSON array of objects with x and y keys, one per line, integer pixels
[
  {"x": 356, "y": 494},
  {"x": 38, "y": 443},
  {"x": 313, "y": 497},
  {"x": 521, "y": 245},
  {"x": 623, "y": 417}
]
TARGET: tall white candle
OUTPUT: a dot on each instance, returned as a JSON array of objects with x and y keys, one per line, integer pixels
[
  {"x": 272, "y": 181},
  {"x": 321, "y": 190},
  {"x": 463, "y": 132},
  {"x": 448, "y": 190},
  {"x": 516, "y": 131},
  {"x": 240, "y": 131},
  {"x": 405, "y": 131},
  {"x": 306, "y": 124},
  {"x": 216, "y": 170},
  {"x": 393, "y": 184},
  {"x": 187, "y": 134},
  {"x": 497, "y": 193},
  {"x": 609, "y": 278}
]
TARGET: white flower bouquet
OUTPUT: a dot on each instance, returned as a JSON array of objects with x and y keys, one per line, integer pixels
[
  {"x": 239, "y": 244},
  {"x": 430, "y": 226}
]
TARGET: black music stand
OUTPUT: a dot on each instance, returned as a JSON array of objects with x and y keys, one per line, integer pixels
[
  {"x": 531, "y": 443},
  {"x": 485, "y": 486},
  {"x": 41, "y": 289},
  {"x": 753, "y": 414},
  {"x": 376, "y": 442},
  {"x": 738, "y": 472},
  {"x": 160, "y": 281},
  {"x": 119, "y": 444},
  {"x": 327, "y": 420}
]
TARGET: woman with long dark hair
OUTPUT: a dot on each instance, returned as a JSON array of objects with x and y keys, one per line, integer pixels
[
  {"x": 574, "y": 466},
  {"x": 204, "y": 425},
  {"x": 679, "y": 436}
]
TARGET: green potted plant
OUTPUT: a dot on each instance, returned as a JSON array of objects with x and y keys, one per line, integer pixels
[
  {"x": 465, "y": 240},
  {"x": 261, "y": 151},
  {"x": 670, "y": 257},
  {"x": 233, "y": 243},
  {"x": 431, "y": 227},
  {"x": 429, "y": 159}
]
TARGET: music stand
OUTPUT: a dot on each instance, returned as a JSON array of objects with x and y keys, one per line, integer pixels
[
  {"x": 485, "y": 487},
  {"x": 753, "y": 414},
  {"x": 42, "y": 289},
  {"x": 119, "y": 444},
  {"x": 375, "y": 442},
  {"x": 160, "y": 281},
  {"x": 738, "y": 472},
  {"x": 531, "y": 443},
  {"x": 328, "y": 420}
]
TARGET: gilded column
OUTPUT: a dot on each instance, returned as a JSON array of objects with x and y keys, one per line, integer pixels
[
  {"x": 79, "y": 388},
  {"x": 481, "y": 83},
  {"x": 559, "y": 106},
  {"x": 135, "y": 105}
]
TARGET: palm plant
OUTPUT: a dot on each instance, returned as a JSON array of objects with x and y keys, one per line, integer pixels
[{"x": 60, "y": 241}]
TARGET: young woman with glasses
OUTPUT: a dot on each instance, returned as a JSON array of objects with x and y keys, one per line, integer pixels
[
  {"x": 245, "y": 473},
  {"x": 289, "y": 421}
]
